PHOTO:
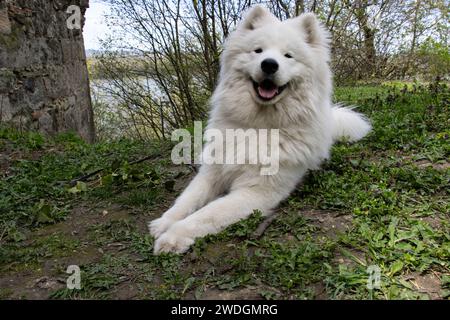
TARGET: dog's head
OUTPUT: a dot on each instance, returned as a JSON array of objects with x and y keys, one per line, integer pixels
[{"x": 272, "y": 56}]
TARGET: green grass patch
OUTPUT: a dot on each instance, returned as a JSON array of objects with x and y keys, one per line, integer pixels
[{"x": 380, "y": 202}]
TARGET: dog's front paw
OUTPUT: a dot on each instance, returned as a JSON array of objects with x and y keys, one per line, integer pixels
[
  {"x": 158, "y": 226},
  {"x": 171, "y": 241}
]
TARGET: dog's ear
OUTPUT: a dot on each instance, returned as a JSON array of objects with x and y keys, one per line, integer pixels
[
  {"x": 316, "y": 34},
  {"x": 256, "y": 17}
]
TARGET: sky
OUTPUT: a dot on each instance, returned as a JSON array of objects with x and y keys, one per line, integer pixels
[{"x": 95, "y": 26}]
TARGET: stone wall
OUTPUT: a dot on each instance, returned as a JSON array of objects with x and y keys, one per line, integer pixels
[{"x": 44, "y": 82}]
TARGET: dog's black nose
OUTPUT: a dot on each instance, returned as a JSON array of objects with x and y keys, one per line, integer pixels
[{"x": 269, "y": 66}]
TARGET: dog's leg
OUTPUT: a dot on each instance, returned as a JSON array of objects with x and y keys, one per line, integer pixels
[
  {"x": 216, "y": 216},
  {"x": 202, "y": 189}
]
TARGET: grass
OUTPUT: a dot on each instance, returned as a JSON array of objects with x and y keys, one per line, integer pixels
[{"x": 382, "y": 202}]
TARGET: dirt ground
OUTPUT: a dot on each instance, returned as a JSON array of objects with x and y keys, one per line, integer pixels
[{"x": 41, "y": 280}]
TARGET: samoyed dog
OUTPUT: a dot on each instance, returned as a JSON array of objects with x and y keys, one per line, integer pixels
[{"x": 274, "y": 75}]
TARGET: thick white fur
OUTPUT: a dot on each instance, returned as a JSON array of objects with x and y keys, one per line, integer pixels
[
  {"x": 349, "y": 125},
  {"x": 221, "y": 195}
]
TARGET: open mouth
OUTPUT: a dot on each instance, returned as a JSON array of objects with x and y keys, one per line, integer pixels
[{"x": 267, "y": 90}]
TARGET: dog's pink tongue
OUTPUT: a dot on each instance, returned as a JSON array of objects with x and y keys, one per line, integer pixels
[{"x": 267, "y": 93}]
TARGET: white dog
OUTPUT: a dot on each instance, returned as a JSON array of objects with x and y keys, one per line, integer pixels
[{"x": 274, "y": 75}]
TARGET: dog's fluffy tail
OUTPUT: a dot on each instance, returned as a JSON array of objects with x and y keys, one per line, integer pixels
[{"x": 349, "y": 125}]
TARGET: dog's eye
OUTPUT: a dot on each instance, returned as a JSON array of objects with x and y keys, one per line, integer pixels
[
  {"x": 259, "y": 50},
  {"x": 287, "y": 55}
]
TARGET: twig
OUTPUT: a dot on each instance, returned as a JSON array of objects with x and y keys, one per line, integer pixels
[
  {"x": 151, "y": 157},
  {"x": 263, "y": 226},
  {"x": 260, "y": 231},
  {"x": 73, "y": 182}
]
